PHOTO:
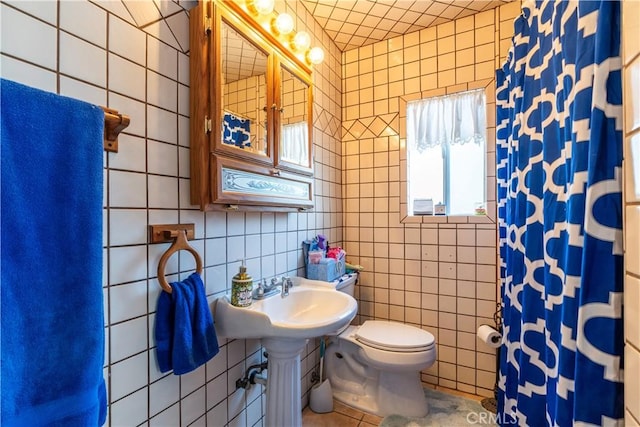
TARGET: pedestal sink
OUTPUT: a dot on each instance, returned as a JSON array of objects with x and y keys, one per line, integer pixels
[{"x": 284, "y": 324}]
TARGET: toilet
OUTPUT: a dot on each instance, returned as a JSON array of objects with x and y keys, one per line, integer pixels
[{"x": 375, "y": 367}]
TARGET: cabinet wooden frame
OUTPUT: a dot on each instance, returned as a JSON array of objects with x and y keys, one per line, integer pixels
[
  {"x": 208, "y": 151},
  {"x": 224, "y": 166}
]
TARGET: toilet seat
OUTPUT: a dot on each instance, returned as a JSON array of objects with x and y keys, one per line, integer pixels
[{"x": 394, "y": 336}]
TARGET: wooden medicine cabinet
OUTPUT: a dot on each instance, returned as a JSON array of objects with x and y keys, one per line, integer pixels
[{"x": 251, "y": 112}]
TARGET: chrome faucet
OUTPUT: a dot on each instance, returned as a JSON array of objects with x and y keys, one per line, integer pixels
[{"x": 286, "y": 285}]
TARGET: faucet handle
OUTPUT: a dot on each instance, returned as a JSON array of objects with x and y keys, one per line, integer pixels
[
  {"x": 285, "y": 289},
  {"x": 260, "y": 289}
]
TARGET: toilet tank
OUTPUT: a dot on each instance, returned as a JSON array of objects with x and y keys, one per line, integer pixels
[{"x": 347, "y": 283}]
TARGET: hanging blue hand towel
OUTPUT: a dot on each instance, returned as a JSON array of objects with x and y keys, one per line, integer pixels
[
  {"x": 51, "y": 262},
  {"x": 185, "y": 335}
]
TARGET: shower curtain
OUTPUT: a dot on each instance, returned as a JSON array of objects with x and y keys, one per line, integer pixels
[{"x": 559, "y": 153}]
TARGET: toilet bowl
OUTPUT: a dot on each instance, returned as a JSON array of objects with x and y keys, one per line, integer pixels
[{"x": 375, "y": 367}]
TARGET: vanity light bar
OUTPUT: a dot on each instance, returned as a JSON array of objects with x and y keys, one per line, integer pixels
[{"x": 282, "y": 25}]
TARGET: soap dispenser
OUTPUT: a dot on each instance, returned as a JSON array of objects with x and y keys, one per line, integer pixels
[{"x": 241, "y": 287}]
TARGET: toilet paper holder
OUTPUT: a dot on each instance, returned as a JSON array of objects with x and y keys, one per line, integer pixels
[{"x": 489, "y": 335}]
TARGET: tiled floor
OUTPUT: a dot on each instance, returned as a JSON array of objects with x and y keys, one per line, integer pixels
[
  {"x": 342, "y": 416},
  {"x": 345, "y": 416}
]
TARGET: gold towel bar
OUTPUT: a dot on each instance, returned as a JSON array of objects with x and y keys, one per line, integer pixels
[
  {"x": 179, "y": 233},
  {"x": 114, "y": 123}
]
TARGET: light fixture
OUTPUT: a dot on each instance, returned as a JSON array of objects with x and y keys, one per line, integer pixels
[
  {"x": 315, "y": 55},
  {"x": 262, "y": 7},
  {"x": 284, "y": 24},
  {"x": 301, "y": 41}
]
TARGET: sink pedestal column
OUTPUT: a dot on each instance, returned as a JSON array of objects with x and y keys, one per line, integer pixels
[{"x": 283, "y": 382}]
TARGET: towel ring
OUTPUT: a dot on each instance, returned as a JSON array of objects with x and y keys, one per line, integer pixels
[{"x": 179, "y": 244}]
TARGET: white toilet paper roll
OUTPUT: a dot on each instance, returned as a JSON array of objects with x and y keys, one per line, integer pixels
[{"x": 488, "y": 335}]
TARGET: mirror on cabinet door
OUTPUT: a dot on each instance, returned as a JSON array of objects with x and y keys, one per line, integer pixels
[
  {"x": 244, "y": 93},
  {"x": 294, "y": 124},
  {"x": 251, "y": 111}
]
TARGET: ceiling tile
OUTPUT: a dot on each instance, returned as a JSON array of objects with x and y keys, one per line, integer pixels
[
  {"x": 332, "y": 34},
  {"x": 386, "y": 24},
  {"x": 144, "y": 12},
  {"x": 395, "y": 13},
  {"x": 349, "y": 28},
  {"x": 410, "y": 17},
  {"x": 419, "y": 6},
  {"x": 439, "y": 20},
  {"x": 379, "y": 9},
  {"x": 357, "y": 40},
  {"x": 405, "y": 4},
  {"x": 167, "y": 7},
  {"x": 425, "y": 20},
  {"x": 401, "y": 27},
  {"x": 379, "y": 34},
  {"x": 338, "y": 15},
  {"x": 333, "y": 25},
  {"x": 343, "y": 37},
  {"x": 436, "y": 8},
  {"x": 115, "y": 7},
  {"x": 322, "y": 10},
  {"x": 451, "y": 12},
  {"x": 356, "y": 17},
  {"x": 466, "y": 12},
  {"x": 371, "y": 21},
  {"x": 363, "y": 31},
  {"x": 355, "y": 23},
  {"x": 363, "y": 6},
  {"x": 321, "y": 21}
]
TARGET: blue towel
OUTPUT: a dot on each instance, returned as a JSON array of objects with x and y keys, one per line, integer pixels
[
  {"x": 51, "y": 263},
  {"x": 185, "y": 335}
]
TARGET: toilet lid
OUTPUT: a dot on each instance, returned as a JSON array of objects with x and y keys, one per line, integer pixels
[{"x": 394, "y": 336}]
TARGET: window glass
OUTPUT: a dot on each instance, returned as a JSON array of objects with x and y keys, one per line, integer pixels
[{"x": 446, "y": 155}]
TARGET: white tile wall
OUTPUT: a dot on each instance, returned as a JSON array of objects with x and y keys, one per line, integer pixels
[
  {"x": 439, "y": 277},
  {"x": 27, "y": 38},
  {"x": 104, "y": 57},
  {"x": 631, "y": 105}
]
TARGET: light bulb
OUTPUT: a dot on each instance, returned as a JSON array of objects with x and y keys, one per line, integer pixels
[
  {"x": 316, "y": 55},
  {"x": 302, "y": 41},
  {"x": 284, "y": 23},
  {"x": 263, "y": 7}
]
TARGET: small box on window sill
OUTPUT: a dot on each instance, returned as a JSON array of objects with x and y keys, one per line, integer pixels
[
  {"x": 440, "y": 209},
  {"x": 423, "y": 206}
]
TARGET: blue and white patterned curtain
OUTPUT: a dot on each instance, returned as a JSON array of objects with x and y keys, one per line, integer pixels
[
  {"x": 236, "y": 130},
  {"x": 559, "y": 153}
]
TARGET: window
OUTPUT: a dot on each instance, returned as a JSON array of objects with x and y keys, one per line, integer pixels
[{"x": 446, "y": 154}]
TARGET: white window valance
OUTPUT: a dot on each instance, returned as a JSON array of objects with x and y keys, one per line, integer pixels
[{"x": 451, "y": 119}]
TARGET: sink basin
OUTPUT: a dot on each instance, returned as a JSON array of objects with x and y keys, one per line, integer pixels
[
  {"x": 284, "y": 325},
  {"x": 307, "y": 312}
]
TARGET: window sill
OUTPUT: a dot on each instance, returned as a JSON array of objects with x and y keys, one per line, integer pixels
[{"x": 489, "y": 218}]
